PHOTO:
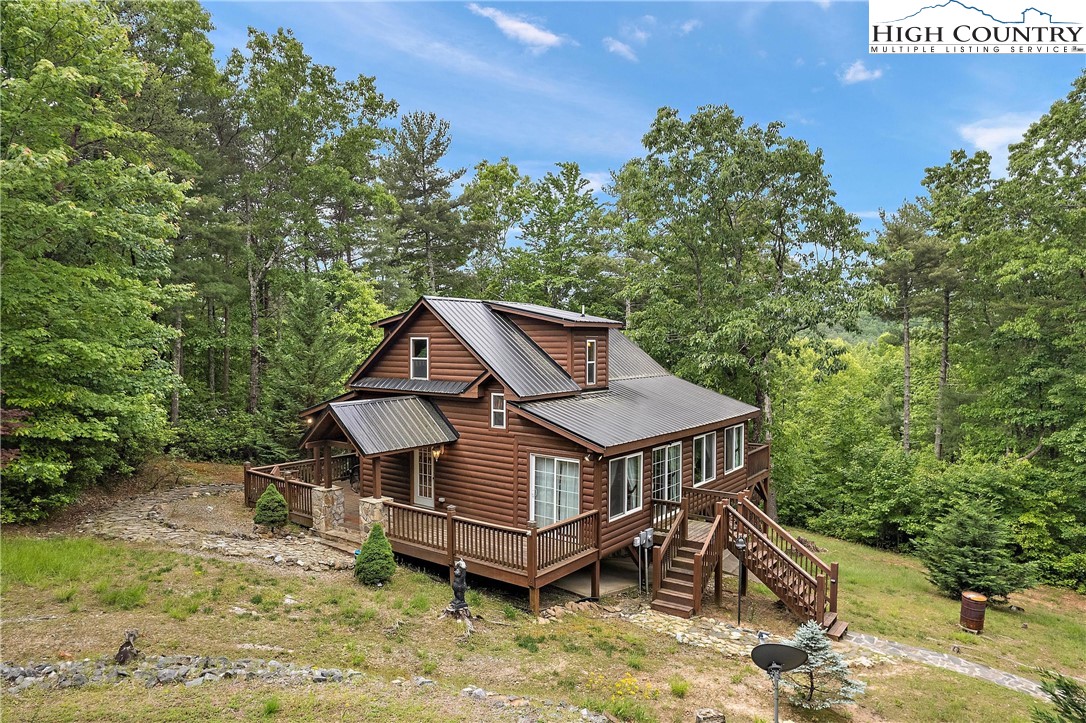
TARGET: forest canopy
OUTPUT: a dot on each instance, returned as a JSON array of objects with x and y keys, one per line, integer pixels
[{"x": 193, "y": 251}]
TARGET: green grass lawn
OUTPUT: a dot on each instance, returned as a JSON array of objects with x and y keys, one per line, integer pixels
[
  {"x": 76, "y": 596},
  {"x": 886, "y": 594}
]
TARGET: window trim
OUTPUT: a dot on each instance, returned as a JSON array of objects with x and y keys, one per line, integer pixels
[
  {"x": 666, "y": 447},
  {"x": 591, "y": 362},
  {"x": 412, "y": 358},
  {"x": 640, "y": 484},
  {"x": 695, "y": 460},
  {"x": 742, "y": 447},
  {"x": 503, "y": 411},
  {"x": 531, "y": 480}
]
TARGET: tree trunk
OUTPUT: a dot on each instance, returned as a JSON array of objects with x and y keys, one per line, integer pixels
[
  {"x": 764, "y": 431},
  {"x": 212, "y": 332},
  {"x": 944, "y": 369},
  {"x": 255, "y": 299},
  {"x": 907, "y": 386},
  {"x": 175, "y": 396},
  {"x": 629, "y": 312},
  {"x": 432, "y": 274},
  {"x": 226, "y": 349}
]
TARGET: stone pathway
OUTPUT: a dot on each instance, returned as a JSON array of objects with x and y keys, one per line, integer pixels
[
  {"x": 949, "y": 662},
  {"x": 142, "y": 520}
]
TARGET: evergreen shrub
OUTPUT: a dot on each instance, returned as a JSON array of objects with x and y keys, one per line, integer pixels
[
  {"x": 823, "y": 681},
  {"x": 375, "y": 564},
  {"x": 271, "y": 508}
]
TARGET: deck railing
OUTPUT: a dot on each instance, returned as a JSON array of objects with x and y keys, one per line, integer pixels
[
  {"x": 703, "y": 502},
  {"x": 664, "y": 514},
  {"x": 757, "y": 459},
  {"x": 294, "y": 480},
  {"x": 664, "y": 554},
  {"x": 525, "y": 553}
]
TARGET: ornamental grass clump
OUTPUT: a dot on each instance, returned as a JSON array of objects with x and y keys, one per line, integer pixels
[
  {"x": 375, "y": 564},
  {"x": 271, "y": 508}
]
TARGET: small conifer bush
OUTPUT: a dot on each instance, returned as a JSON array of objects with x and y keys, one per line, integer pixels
[
  {"x": 375, "y": 564},
  {"x": 271, "y": 508},
  {"x": 970, "y": 549},
  {"x": 822, "y": 682}
]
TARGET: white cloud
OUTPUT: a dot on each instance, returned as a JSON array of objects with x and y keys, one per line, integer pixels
[
  {"x": 859, "y": 73},
  {"x": 536, "y": 37},
  {"x": 620, "y": 48},
  {"x": 639, "y": 31},
  {"x": 870, "y": 215},
  {"x": 824, "y": 4},
  {"x": 995, "y": 134},
  {"x": 689, "y": 26},
  {"x": 597, "y": 180}
]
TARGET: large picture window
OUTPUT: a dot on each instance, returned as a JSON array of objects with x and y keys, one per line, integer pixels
[
  {"x": 625, "y": 485},
  {"x": 733, "y": 448},
  {"x": 556, "y": 489},
  {"x": 420, "y": 357},
  {"x": 667, "y": 472},
  {"x": 704, "y": 458}
]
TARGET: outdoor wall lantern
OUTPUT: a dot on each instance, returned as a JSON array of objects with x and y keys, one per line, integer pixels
[{"x": 438, "y": 451}]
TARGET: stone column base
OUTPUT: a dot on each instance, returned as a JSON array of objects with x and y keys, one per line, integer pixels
[
  {"x": 327, "y": 508},
  {"x": 371, "y": 510}
]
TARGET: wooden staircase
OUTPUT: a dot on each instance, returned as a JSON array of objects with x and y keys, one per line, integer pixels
[{"x": 682, "y": 565}]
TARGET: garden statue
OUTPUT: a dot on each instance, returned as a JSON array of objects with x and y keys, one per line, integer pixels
[{"x": 458, "y": 607}]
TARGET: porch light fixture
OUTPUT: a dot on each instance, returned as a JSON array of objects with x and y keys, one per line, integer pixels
[
  {"x": 437, "y": 451},
  {"x": 309, "y": 420}
]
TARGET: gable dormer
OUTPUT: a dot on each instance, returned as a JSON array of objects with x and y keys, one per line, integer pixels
[
  {"x": 576, "y": 342},
  {"x": 419, "y": 347}
]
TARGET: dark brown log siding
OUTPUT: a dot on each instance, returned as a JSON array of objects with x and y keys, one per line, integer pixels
[
  {"x": 449, "y": 359},
  {"x": 580, "y": 336},
  {"x": 552, "y": 338}
]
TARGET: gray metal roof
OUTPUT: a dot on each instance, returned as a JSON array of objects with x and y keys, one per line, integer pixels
[
  {"x": 504, "y": 348},
  {"x": 376, "y": 426},
  {"x": 422, "y": 386},
  {"x": 626, "y": 360},
  {"x": 557, "y": 314},
  {"x": 635, "y": 409}
]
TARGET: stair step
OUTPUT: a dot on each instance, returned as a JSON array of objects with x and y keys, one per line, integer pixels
[
  {"x": 838, "y": 630},
  {"x": 339, "y": 544},
  {"x": 675, "y": 597},
  {"x": 681, "y": 611},
  {"x": 684, "y": 586},
  {"x": 829, "y": 620},
  {"x": 680, "y": 574}
]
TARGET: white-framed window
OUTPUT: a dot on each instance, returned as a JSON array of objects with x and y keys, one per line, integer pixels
[
  {"x": 497, "y": 410},
  {"x": 556, "y": 489},
  {"x": 733, "y": 448},
  {"x": 704, "y": 458},
  {"x": 667, "y": 481},
  {"x": 590, "y": 362},
  {"x": 624, "y": 485},
  {"x": 420, "y": 357}
]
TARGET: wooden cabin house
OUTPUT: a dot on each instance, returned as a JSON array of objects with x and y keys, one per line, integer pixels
[{"x": 533, "y": 442}]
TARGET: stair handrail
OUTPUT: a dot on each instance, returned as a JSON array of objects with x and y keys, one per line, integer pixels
[
  {"x": 830, "y": 571},
  {"x": 710, "y": 549},
  {"x": 773, "y": 579},
  {"x": 664, "y": 554}
]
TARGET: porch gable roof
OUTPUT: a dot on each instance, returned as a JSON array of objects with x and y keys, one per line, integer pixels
[{"x": 390, "y": 424}]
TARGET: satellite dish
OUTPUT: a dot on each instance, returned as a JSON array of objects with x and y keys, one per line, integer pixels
[
  {"x": 777, "y": 658},
  {"x": 782, "y": 658}
]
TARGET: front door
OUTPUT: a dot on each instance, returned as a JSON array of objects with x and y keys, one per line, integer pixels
[{"x": 424, "y": 478}]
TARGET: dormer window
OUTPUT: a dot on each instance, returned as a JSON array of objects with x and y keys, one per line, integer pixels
[
  {"x": 420, "y": 357},
  {"x": 497, "y": 410},
  {"x": 590, "y": 362}
]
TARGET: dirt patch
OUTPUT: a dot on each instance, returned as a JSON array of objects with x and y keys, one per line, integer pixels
[{"x": 221, "y": 514}]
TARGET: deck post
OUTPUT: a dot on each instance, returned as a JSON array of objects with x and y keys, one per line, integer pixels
[
  {"x": 317, "y": 468},
  {"x": 685, "y": 506},
  {"x": 834, "y": 579},
  {"x": 820, "y": 598},
  {"x": 718, "y": 551},
  {"x": 532, "y": 565},
  {"x": 596, "y": 569},
  {"x": 450, "y": 538},
  {"x": 248, "y": 483},
  {"x": 327, "y": 465},
  {"x": 376, "y": 465}
]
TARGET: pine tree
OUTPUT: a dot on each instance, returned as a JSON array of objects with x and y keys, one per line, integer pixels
[
  {"x": 823, "y": 681},
  {"x": 969, "y": 550},
  {"x": 271, "y": 508},
  {"x": 1068, "y": 696},
  {"x": 375, "y": 564}
]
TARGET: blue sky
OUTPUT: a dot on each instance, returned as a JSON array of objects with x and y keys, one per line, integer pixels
[{"x": 566, "y": 81}]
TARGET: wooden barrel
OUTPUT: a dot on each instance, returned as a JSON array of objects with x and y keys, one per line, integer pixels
[{"x": 973, "y": 605}]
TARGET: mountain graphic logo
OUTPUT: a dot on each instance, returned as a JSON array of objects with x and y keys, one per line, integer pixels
[{"x": 1042, "y": 15}]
